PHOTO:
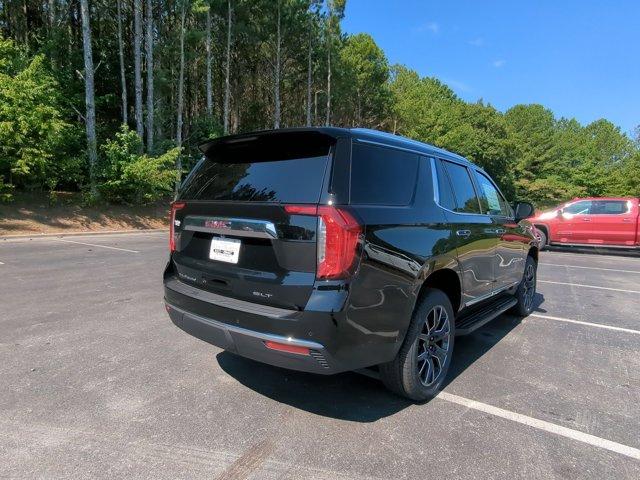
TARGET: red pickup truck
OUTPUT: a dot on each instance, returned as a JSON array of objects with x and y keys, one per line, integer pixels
[{"x": 610, "y": 222}]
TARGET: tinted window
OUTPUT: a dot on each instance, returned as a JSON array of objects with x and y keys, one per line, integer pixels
[
  {"x": 491, "y": 199},
  {"x": 466, "y": 198},
  {"x": 279, "y": 169},
  {"x": 610, "y": 207},
  {"x": 382, "y": 176},
  {"x": 445, "y": 193},
  {"x": 578, "y": 208}
]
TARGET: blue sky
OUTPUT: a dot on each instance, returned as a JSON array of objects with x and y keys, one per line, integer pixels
[{"x": 579, "y": 58}]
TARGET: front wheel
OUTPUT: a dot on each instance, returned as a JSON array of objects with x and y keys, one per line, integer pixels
[
  {"x": 422, "y": 363},
  {"x": 526, "y": 291},
  {"x": 542, "y": 239}
]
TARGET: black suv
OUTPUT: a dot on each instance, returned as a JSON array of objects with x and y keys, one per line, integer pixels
[{"x": 327, "y": 249}]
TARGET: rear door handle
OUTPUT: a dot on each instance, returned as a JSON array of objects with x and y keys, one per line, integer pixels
[
  {"x": 463, "y": 233},
  {"x": 500, "y": 231},
  {"x": 586, "y": 219},
  {"x": 626, "y": 220}
]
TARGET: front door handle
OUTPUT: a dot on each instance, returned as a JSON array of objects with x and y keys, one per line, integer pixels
[
  {"x": 626, "y": 220},
  {"x": 586, "y": 219},
  {"x": 463, "y": 233},
  {"x": 500, "y": 231}
]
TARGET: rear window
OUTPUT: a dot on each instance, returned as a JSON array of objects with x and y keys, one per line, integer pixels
[
  {"x": 287, "y": 168},
  {"x": 382, "y": 176},
  {"x": 465, "y": 193},
  {"x": 610, "y": 207}
]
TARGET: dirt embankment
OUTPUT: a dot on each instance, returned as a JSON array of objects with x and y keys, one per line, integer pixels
[{"x": 38, "y": 214}]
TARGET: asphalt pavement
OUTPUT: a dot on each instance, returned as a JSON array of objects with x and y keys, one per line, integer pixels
[{"x": 96, "y": 382}]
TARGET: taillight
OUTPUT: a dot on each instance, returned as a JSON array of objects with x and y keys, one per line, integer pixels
[
  {"x": 175, "y": 206},
  {"x": 337, "y": 235}
]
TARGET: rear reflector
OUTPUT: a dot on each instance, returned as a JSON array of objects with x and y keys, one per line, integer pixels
[
  {"x": 338, "y": 234},
  {"x": 285, "y": 347}
]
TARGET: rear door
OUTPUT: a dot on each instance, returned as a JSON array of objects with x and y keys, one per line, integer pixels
[
  {"x": 611, "y": 222},
  {"x": 475, "y": 233},
  {"x": 574, "y": 223},
  {"x": 234, "y": 235}
]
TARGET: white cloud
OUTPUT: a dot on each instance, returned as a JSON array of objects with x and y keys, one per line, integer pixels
[
  {"x": 477, "y": 42},
  {"x": 432, "y": 27},
  {"x": 499, "y": 63}
]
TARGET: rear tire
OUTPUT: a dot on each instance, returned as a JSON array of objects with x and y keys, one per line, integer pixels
[
  {"x": 422, "y": 363},
  {"x": 526, "y": 291}
]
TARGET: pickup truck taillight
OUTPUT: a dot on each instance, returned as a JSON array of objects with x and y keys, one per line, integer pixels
[
  {"x": 337, "y": 236},
  {"x": 175, "y": 206}
]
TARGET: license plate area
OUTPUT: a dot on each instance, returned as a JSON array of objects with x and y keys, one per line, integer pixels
[{"x": 225, "y": 249}]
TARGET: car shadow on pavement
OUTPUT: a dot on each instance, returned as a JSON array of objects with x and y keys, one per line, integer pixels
[
  {"x": 345, "y": 396},
  {"x": 352, "y": 396},
  {"x": 471, "y": 347}
]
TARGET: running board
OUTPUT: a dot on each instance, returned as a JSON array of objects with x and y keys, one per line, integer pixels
[{"x": 477, "y": 319}]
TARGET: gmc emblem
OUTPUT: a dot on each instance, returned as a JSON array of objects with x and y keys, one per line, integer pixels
[{"x": 217, "y": 224}]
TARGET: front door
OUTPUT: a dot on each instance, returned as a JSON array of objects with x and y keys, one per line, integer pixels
[
  {"x": 574, "y": 223},
  {"x": 511, "y": 244}
]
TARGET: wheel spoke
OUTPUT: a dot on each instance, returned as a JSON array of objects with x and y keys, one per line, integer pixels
[
  {"x": 430, "y": 371},
  {"x": 439, "y": 353}
]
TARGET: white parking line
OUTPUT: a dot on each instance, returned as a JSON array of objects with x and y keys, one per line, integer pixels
[
  {"x": 1, "y": 263},
  {"x": 589, "y": 324},
  {"x": 543, "y": 425},
  {"x": 94, "y": 245},
  {"x": 589, "y": 286},
  {"x": 590, "y": 268}
]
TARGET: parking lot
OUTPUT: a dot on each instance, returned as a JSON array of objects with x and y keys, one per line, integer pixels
[{"x": 97, "y": 382}]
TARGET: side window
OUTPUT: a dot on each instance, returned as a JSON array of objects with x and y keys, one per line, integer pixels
[
  {"x": 465, "y": 194},
  {"x": 610, "y": 207},
  {"x": 445, "y": 193},
  {"x": 382, "y": 176},
  {"x": 491, "y": 199},
  {"x": 579, "y": 208}
]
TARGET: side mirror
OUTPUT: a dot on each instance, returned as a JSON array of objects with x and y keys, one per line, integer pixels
[
  {"x": 559, "y": 213},
  {"x": 523, "y": 210}
]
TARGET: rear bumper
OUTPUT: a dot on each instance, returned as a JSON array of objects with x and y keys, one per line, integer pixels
[
  {"x": 252, "y": 344},
  {"x": 337, "y": 339}
]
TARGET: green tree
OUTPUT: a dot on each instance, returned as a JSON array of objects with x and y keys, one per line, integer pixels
[
  {"x": 364, "y": 76},
  {"x": 32, "y": 125}
]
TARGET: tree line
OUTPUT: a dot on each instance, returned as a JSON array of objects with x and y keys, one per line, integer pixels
[{"x": 112, "y": 97}]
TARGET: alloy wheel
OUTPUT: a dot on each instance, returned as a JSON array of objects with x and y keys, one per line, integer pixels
[
  {"x": 433, "y": 346},
  {"x": 529, "y": 287}
]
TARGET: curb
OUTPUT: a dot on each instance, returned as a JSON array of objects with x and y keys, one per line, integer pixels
[{"x": 80, "y": 233}]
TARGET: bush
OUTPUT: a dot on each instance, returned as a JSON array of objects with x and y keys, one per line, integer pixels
[
  {"x": 6, "y": 192},
  {"x": 126, "y": 176}
]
